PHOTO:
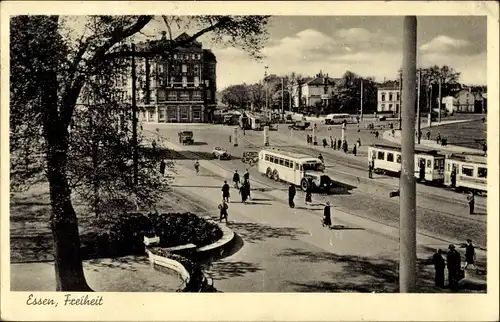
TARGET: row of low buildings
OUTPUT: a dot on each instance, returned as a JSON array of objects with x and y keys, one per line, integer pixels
[{"x": 178, "y": 86}]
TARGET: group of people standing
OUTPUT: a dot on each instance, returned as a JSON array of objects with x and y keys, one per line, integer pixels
[
  {"x": 244, "y": 190},
  {"x": 453, "y": 263}
]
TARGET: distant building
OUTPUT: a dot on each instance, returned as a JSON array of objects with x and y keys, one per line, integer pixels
[
  {"x": 449, "y": 104},
  {"x": 314, "y": 91},
  {"x": 464, "y": 101},
  {"x": 388, "y": 97}
]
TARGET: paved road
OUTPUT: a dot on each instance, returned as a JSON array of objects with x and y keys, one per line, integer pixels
[{"x": 441, "y": 213}]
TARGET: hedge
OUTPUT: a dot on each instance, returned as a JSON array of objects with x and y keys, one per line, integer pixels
[{"x": 121, "y": 235}]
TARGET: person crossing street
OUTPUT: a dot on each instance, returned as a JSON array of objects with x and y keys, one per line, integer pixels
[
  {"x": 225, "y": 191},
  {"x": 236, "y": 179},
  {"x": 223, "y": 211},
  {"x": 291, "y": 195}
]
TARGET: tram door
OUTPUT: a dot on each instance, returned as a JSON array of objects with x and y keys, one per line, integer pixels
[
  {"x": 453, "y": 175},
  {"x": 421, "y": 167}
]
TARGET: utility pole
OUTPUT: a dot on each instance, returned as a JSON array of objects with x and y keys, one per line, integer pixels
[
  {"x": 400, "y": 94},
  {"x": 134, "y": 119},
  {"x": 407, "y": 201},
  {"x": 439, "y": 100},
  {"x": 418, "y": 104},
  {"x": 282, "y": 98},
  {"x": 265, "y": 84},
  {"x": 361, "y": 106}
]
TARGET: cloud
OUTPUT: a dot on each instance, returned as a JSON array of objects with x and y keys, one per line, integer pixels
[
  {"x": 444, "y": 44},
  {"x": 367, "y": 53}
]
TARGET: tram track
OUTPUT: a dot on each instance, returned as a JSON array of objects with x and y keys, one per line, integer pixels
[{"x": 267, "y": 184}]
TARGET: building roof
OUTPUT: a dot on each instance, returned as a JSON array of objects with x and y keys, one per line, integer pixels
[
  {"x": 389, "y": 85},
  {"x": 321, "y": 81}
]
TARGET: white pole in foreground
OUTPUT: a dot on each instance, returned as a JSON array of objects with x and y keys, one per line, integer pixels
[
  {"x": 266, "y": 135},
  {"x": 407, "y": 201},
  {"x": 235, "y": 136}
]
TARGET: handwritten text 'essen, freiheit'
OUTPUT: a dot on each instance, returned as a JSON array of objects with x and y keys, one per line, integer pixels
[{"x": 69, "y": 300}]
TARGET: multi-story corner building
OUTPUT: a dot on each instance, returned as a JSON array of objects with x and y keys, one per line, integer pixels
[
  {"x": 388, "y": 97},
  {"x": 176, "y": 87}
]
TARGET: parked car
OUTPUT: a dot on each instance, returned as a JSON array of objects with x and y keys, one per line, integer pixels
[
  {"x": 186, "y": 137},
  {"x": 250, "y": 157},
  {"x": 299, "y": 125},
  {"x": 220, "y": 153}
]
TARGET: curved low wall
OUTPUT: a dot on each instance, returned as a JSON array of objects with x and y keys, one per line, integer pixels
[{"x": 170, "y": 264}]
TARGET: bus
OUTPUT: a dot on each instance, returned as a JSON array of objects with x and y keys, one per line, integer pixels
[
  {"x": 294, "y": 168},
  {"x": 429, "y": 165},
  {"x": 337, "y": 118},
  {"x": 470, "y": 172}
]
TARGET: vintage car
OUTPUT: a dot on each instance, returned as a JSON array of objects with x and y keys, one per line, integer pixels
[
  {"x": 186, "y": 137},
  {"x": 321, "y": 182},
  {"x": 250, "y": 157},
  {"x": 299, "y": 125},
  {"x": 220, "y": 153}
]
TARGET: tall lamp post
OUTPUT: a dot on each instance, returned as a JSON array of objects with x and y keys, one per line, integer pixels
[
  {"x": 265, "y": 85},
  {"x": 407, "y": 202}
]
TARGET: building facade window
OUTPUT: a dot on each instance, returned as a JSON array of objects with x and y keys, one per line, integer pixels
[
  {"x": 172, "y": 96},
  {"x": 160, "y": 68},
  {"x": 193, "y": 56},
  {"x": 397, "y": 95},
  {"x": 397, "y": 107},
  {"x": 151, "y": 115},
  {"x": 175, "y": 56},
  {"x": 197, "y": 96},
  {"x": 184, "y": 81},
  {"x": 196, "y": 113},
  {"x": 196, "y": 81},
  {"x": 172, "y": 113},
  {"x": 184, "y": 68},
  {"x": 184, "y": 96},
  {"x": 209, "y": 96},
  {"x": 198, "y": 56},
  {"x": 390, "y": 97},
  {"x": 184, "y": 113},
  {"x": 383, "y": 107},
  {"x": 390, "y": 107},
  {"x": 383, "y": 97},
  {"x": 161, "y": 114}
]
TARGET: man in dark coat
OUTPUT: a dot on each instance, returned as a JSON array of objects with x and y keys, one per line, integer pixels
[
  {"x": 223, "y": 211},
  {"x": 162, "y": 167},
  {"x": 439, "y": 265},
  {"x": 453, "y": 177},
  {"x": 225, "y": 192},
  {"x": 339, "y": 144},
  {"x": 327, "y": 218},
  {"x": 309, "y": 190},
  {"x": 354, "y": 150},
  {"x": 236, "y": 179},
  {"x": 371, "y": 165},
  {"x": 471, "y": 201},
  {"x": 291, "y": 195},
  {"x": 470, "y": 255},
  {"x": 453, "y": 262},
  {"x": 243, "y": 192}
]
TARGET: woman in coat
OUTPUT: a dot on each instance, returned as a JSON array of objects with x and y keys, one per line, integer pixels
[{"x": 327, "y": 218}]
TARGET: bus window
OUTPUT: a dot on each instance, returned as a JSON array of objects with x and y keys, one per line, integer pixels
[
  {"x": 271, "y": 159},
  {"x": 287, "y": 163},
  {"x": 390, "y": 157},
  {"x": 267, "y": 157},
  {"x": 276, "y": 160},
  {"x": 468, "y": 171},
  {"x": 398, "y": 158},
  {"x": 481, "y": 172},
  {"x": 380, "y": 155},
  {"x": 429, "y": 164},
  {"x": 297, "y": 166},
  {"x": 282, "y": 161}
]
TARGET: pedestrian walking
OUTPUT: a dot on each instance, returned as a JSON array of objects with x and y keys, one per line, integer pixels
[
  {"x": 331, "y": 142},
  {"x": 246, "y": 176},
  {"x": 428, "y": 134},
  {"x": 438, "y": 138},
  {"x": 315, "y": 140},
  {"x": 376, "y": 134},
  {"x": 327, "y": 218},
  {"x": 196, "y": 166},
  {"x": 354, "y": 150},
  {"x": 359, "y": 142},
  {"x": 321, "y": 158},
  {"x": 223, "y": 207},
  {"x": 236, "y": 179},
  {"x": 453, "y": 177},
  {"x": 453, "y": 262},
  {"x": 325, "y": 143},
  {"x": 344, "y": 146},
  {"x": 163, "y": 165},
  {"x": 247, "y": 189},
  {"x": 370, "y": 169},
  {"x": 439, "y": 266},
  {"x": 393, "y": 133},
  {"x": 291, "y": 195},
  {"x": 339, "y": 144},
  {"x": 334, "y": 146},
  {"x": 243, "y": 193},
  {"x": 471, "y": 200},
  {"x": 470, "y": 255},
  {"x": 309, "y": 191},
  {"x": 225, "y": 191},
  {"x": 153, "y": 144}
]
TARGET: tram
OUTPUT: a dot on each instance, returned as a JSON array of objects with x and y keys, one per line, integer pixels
[
  {"x": 466, "y": 171},
  {"x": 429, "y": 165}
]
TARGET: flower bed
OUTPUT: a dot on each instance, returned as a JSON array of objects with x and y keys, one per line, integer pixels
[{"x": 121, "y": 235}]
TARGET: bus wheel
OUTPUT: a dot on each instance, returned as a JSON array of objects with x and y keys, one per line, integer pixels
[
  {"x": 269, "y": 173},
  {"x": 276, "y": 175},
  {"x": 304, "y": 184}
]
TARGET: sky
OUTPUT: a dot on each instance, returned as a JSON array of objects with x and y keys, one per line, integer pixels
[{"x": 370, "y": 46}]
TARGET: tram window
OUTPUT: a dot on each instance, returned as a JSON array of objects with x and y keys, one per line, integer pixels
[
  {"x": 481, "y": 172},
  {"x": 267, "y": 157},
  {"x": 390, "y": 157},
  {"x": 271, "y": 159},
  {"x": 468, "y": 171},
  {"x": 429, "y": 164},
  {"x": 380, "y": 155},
  {"x": 276, "y": 160},
  {"x": 287, "y": 164},
  {"x": 398, "y": 158}
]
